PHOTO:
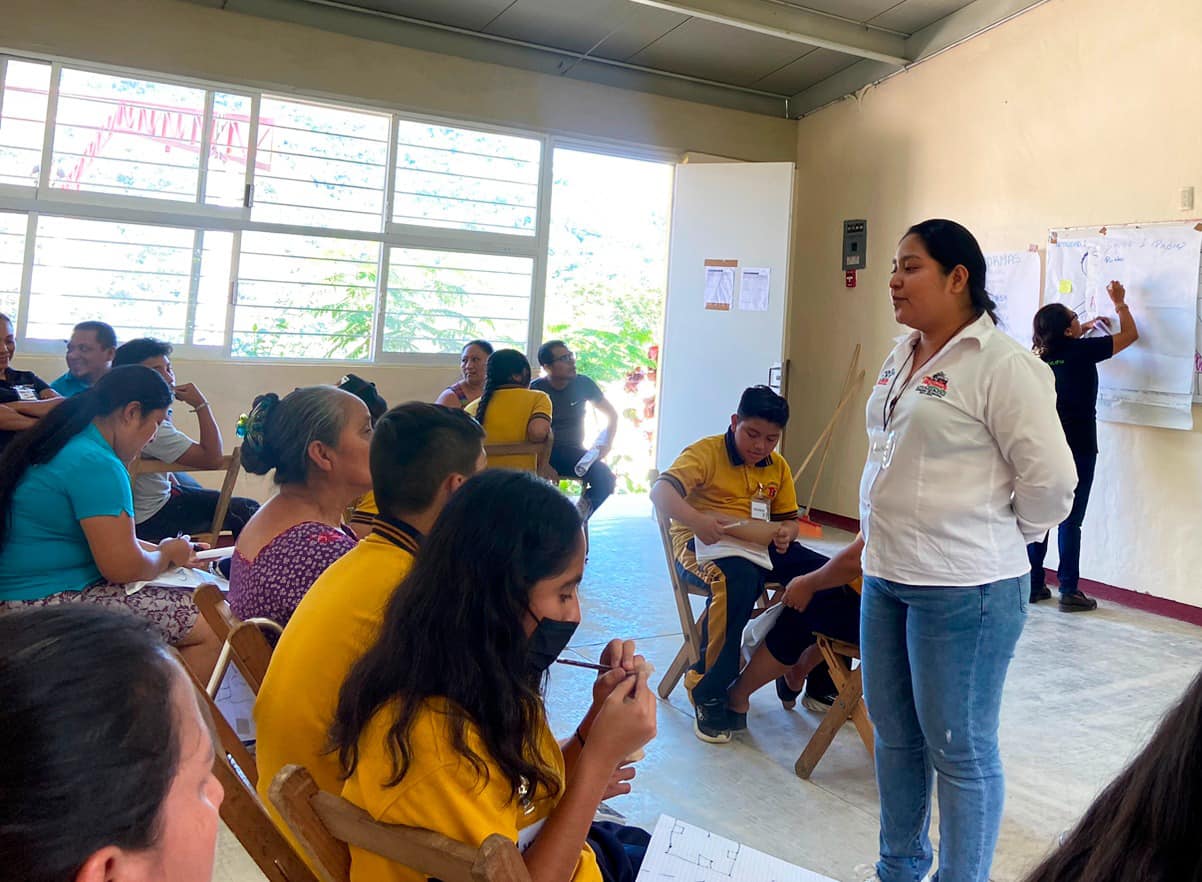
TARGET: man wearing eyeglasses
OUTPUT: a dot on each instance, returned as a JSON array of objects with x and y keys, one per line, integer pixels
[
  {"x": 90, "y": 353},
  {"x": 569, "y": 391}
]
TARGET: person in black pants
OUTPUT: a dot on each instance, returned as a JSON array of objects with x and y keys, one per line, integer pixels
[
  {"x": 1058, "y": 339},
  {"x": 569, "y": 391}
]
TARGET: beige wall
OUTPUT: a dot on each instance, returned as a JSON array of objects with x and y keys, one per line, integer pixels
[
  {"x": 1078, "y": 112},
  {"x": 190, "y": 40}
]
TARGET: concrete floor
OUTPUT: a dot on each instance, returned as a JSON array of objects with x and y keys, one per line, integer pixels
[{"x": 1084, "y": 693}]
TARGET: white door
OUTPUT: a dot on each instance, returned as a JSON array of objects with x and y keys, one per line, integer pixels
[{"x": 721, "y": 212}]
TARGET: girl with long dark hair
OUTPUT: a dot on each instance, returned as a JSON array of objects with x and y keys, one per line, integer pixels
[
  {"x": 66, "y": 513},
  {"x": 1059, "y": 340},
  {"x": 441, "y": 724},
  {"x": 966, "y": 465},
  {"x": 509, "y": 410},
  {"x": 106, "y": 762}
]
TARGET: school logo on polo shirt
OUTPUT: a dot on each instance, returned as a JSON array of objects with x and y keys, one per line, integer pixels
[
  {"x": 885, "y": 377},
  {"x": 934, "y": 386}
]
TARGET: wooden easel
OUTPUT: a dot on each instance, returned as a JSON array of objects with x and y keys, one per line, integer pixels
[{"x": 850, "y": 386}]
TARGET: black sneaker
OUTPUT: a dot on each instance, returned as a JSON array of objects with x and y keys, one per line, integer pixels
[
  {"x": 1040, "y": 593},
  {"x": 787, "y": 696},
  {"x": 712, "y": 724},
  {"x": 736, "y": 720},
  {"x": 1077, "y": 602}
]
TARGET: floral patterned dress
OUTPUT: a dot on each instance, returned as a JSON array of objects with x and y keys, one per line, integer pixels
[{"x": 271, "y": 585}]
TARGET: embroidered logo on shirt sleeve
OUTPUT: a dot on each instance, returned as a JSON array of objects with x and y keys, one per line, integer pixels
[
  {"x": 886, "y": 376},
  {"x": 934, "y": 386}
]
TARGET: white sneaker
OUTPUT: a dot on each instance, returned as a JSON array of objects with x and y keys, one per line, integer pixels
[{"x": 867, "y": 873}]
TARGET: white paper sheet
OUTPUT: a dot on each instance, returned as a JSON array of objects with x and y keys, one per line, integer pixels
[
  {"x": 754, "y": 282},
  {"x": 680, "y": 852},
  {"x": 1012, "y": 279},
  {"x": 719, "y": 287},
  {"x": 1151, "y": 383}
]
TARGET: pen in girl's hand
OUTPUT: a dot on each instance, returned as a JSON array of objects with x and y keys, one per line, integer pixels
[{"x": 583, "y": 664}]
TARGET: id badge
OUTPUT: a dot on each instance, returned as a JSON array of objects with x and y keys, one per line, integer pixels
[
  {"x": 881, "y": 446},
  {"x": 761, "y": 506},
  {"x": 25, "y": 393}
]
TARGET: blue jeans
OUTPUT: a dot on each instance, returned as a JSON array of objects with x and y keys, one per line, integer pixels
[
  {"x": 934, "y": 662},
  {"x": 1069, "y": 534}
]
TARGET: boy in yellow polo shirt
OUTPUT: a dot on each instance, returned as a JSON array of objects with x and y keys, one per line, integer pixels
[
  {"x": 420, "y": 454},
  {"x": 714, "y": 483}
]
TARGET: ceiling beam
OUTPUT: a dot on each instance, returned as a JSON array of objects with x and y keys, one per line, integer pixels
[
  {"x": 795, "y": 25},
  {"x": 964, "y": 23},
  {"x": 346, "y": 18}
]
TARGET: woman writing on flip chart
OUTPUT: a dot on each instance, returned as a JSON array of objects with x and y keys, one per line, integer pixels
[{"x": 1060, "y": 340}]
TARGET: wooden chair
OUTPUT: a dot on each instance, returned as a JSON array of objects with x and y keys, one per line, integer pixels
[
  {"x": 690, "y": 627},
  {"x": 230, "y": 464},
  {"x": 849, "y": 705},
  {"x": 327, "y": 825},
  {"x": 243, "y": 642},
  {"x": 540, "y": 450},
  {"x": 241, "y": 809}
]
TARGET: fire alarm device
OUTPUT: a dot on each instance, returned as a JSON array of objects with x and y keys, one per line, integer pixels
[
  {"x": 855, "y": 244},
  {"x": 849, "y": 278}
]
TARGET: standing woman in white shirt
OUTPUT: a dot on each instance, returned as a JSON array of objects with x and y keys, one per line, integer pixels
[{"x": 965, "y": 466}]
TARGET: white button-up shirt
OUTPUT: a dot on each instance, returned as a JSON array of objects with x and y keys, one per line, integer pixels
[{"x": 968, "y": 466}]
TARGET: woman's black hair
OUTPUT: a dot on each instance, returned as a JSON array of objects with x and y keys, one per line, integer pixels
[
  {"x": 280, "y": 430},
  {"x": 365, "y": 391},
  {"x": 454, "y": 630},
  {"x": 503, "y": 365},
  {"x": 1048, "y": 327},
  {"x": 1144, "y": 826},
  {"x": 483, "y": 344},
  {"x": 89, "y": 737},
  {"x": 951, "y": 245},
  {"x": 131, "y": 384}
]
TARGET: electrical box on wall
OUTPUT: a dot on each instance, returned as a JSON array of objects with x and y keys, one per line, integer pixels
[{"x": 855, "y": 244}]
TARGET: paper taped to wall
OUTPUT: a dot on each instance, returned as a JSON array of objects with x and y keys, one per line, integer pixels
[
  {"x": 1012, "y": 279},
  {"x": 1153, "y": 382},
  {"x": 680, "y": 852}
]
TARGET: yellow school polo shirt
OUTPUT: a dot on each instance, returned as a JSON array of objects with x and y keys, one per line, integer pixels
[
  {"x": 509, "y": 412},
  {"x": 364, "y": 511},
  {"x": 441, "y": 791},
  {"x": 335, "y": 623},
  {"x": 712, "y": 476}
]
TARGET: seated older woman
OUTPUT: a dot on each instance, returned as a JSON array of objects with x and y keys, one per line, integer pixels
[{"x": 316, "y": 440}]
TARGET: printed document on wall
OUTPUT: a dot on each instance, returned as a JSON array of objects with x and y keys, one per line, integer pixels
[
  {"x": 720, "y": 284},
  {"x": 754, "y": 283},
  {"x": 680, "y": 852},
  {"x": 1012, "y": 280},
  {"x": 1152, "y": 382}
]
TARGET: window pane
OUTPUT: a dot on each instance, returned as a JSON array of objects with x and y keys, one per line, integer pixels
[
  {"x": 134, "y": 277},
  {"x": 320, "y": 166},
  {"x": 304, "y": 297},
  {"x": 438, "y": 300},
  {"x": 213, "y": 293},
  {"x": 23, "y": 122},
  {"x": 465, "y": 180},
  {"x": 126, "y": 136},
  {"x": 12, "y": 254},
  {"x": 225, "y": 183}
]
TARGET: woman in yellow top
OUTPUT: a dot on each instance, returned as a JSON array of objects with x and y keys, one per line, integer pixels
[
  {"x": 509, "y": 410},
  {"x": 441, "y": 724}
]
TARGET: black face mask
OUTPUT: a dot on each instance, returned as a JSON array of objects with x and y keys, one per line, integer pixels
[{"x": 549, "y": 639}]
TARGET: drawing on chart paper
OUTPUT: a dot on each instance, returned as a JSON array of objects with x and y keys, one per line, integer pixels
[{"x": 681, "y": 852}]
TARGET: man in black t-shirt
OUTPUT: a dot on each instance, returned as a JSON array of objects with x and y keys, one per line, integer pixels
[
  {"x": 569, "y": 391},
  {"x": 24, "y": 396}
]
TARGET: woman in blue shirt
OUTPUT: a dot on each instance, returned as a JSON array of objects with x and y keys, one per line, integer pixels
[{"x": 66, "y": 513}]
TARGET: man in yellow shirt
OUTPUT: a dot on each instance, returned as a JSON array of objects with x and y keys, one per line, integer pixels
[
  {"x": 713, "y": 485},
  {"x": 420, "y": 454}
]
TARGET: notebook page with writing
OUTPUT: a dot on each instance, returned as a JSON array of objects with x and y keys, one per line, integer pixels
[{"x": 680, "y": 852}]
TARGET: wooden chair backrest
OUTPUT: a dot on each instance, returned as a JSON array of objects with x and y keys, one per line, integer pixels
[
  {"x": 241, "y": 809},
  {"x": 540, "y": 450},
  {"x": 243, "y": 641},
  {"x": 231, "y": 464},
  {"x": 327, "y": 825}
]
